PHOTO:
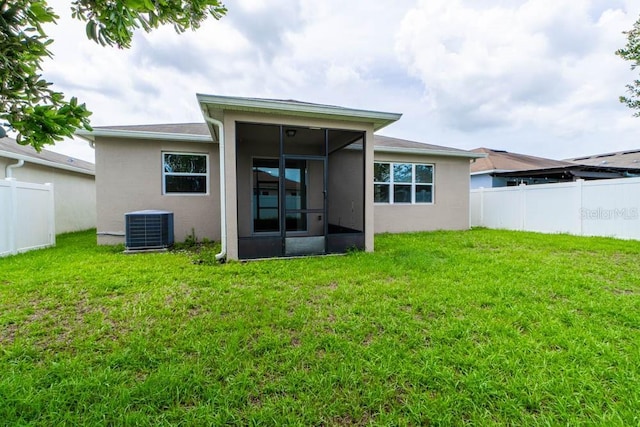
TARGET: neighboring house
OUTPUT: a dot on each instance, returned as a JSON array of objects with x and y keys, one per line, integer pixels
[
  {"x": 294, "y": 178},
  {"x": 486, "y": 172},
  {"x": 73, "y": 182},
  {"x": 503, "y": 169}
]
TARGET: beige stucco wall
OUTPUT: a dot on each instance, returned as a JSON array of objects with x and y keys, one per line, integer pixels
[
  {"x": 230, "y": 120},
  {"x": 129, "y": 178},
  {"x": 74, "y": 193},
  {"x": 450, "y": 210}
]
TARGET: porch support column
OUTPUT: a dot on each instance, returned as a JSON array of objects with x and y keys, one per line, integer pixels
[
  {"x": 231, "y": 189},
  {"x": 368, "y": 190}
]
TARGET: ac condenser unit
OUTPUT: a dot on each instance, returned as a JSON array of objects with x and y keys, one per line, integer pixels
[{"x": 148, "y": 229}]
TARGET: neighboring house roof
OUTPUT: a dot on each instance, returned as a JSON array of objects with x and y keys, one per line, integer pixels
[
  {"x": 9, "y": 148},
  {"x": 504, "y": 161},
  {"x": 624, "y": 159},
  {"x": 200, "y": 132}
]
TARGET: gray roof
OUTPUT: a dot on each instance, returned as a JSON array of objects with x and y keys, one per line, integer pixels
[
  {"x": 622, "y": 159},
  {"x": 11, "y": 149},
  {"x": 381, "y": 143},
  {"x": 389, "y": 142},
  {"x": 173, "y": 128},
  {"x": 501, "y": 160}
]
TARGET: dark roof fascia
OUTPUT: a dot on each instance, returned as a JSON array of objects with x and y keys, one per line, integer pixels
[{"x": 575, "y": 170}]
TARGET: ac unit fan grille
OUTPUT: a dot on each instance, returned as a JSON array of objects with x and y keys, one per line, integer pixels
[{"x": 149, "y": 231}]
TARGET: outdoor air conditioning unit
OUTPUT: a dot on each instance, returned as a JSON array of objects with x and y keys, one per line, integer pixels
[{"x": 149, "y": 229}]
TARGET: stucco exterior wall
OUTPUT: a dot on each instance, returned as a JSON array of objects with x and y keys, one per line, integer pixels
[
  {"x": 129, "y": 178},
  {"x": 74, "y": 193},
  {"x": 450, "y": 210}
]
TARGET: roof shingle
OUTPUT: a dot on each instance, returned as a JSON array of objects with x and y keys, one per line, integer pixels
[{"x": 500, "y": 160}]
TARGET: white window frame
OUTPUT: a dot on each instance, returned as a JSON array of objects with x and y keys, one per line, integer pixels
[
  {"x": 413, "y": 183},
  {"x": 165, "y": 173}
]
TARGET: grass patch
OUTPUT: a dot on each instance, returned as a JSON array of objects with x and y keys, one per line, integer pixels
[{"x": 475, "y": 327}]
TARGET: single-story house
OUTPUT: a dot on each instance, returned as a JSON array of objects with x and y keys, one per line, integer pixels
[
  {"x": 73, "y": 182},
  {"x": 504, "y": 169},
  {"x": 271, "y": 178}
]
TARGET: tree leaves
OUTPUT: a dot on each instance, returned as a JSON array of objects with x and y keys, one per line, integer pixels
[
  {"x": 631, "y": 52},
  {"x": 41, "y": 115},
  {"x": 113, "y": 22}
]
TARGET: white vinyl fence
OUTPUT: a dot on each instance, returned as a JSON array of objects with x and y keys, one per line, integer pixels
[
  {"x": 589, "y": 208},
  {"x": 27, "y": 216}
]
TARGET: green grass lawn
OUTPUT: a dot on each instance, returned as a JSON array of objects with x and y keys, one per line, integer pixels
[{"x": 445, "y": 328}]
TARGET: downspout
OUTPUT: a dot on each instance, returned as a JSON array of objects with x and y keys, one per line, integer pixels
[
  {"x": 8, "y": 170},
  {"x": 222, "y": 256}
]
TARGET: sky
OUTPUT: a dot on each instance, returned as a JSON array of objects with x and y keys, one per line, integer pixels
[{"x": 538, "y": 77}]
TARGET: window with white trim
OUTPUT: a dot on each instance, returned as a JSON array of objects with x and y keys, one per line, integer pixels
[
  {"x": 185, "y": 173},
  {"x": 402, "y": 183}
]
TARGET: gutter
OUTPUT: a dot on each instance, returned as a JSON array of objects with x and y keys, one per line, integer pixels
[
  {"x": 48, "y": 163},
  {"x": 222, "y": 255},
  {"x": 8, "y": 170}
]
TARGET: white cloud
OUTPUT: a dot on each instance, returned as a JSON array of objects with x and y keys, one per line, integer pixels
[
  {"x": 536, "y": 76},
  {"x": 543, "y": 63},
  {"x": 338, "y": 75}
]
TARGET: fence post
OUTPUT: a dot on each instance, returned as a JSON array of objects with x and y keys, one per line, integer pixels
[
  {"x": 523, "y": 205},
  {"x": 579, "y": 189},
  {"x": 52, "y": 214},
  {"x": 13, "y": 215},
  {"x": 482, "y": 206}
]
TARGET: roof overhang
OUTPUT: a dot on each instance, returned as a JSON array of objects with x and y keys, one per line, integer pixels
[
  {"x": 42, "y": 162},
  {"x": 430, "y": 152},
  {"x": 299, "y": 109},
  {"x": 161, "y": 136}
]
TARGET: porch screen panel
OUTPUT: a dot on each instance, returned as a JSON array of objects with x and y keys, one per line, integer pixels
[{"x": 266, "y": 195}]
